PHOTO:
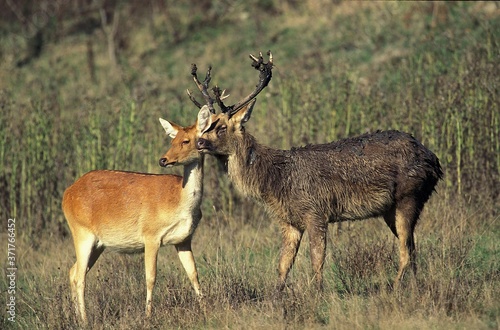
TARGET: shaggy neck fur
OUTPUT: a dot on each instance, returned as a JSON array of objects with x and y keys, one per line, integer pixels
[{"x": 254, "y": 168}]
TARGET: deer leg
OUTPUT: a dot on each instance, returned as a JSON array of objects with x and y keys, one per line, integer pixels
[
  {"x": 186, "y": 257},
  {"x": 390, "y": 220},
  {"x": 317, "y": 240},
  {"x": 86, "y": 254},
  {"x": 405, "y": 218},
  {"x": 96, "y": 253},
  {"x": 150, "y": 258},
  {"x": 290, "y": 245}
]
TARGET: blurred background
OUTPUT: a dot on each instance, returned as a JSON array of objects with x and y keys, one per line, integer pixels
[{"x": 83, "y": 84}]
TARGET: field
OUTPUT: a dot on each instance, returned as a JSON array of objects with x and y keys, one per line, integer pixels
[{"x": 82, "y": 87}]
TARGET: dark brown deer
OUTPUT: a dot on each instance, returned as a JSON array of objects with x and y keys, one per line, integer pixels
[{"x": 388, "y": 174}]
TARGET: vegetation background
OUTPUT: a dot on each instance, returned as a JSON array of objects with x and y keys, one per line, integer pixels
[{"x": 83, "y": 82}]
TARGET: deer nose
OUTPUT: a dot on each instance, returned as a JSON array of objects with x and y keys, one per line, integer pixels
[
  {"x": 163, "y": 162},
  {"x": 201, "y": 144}
]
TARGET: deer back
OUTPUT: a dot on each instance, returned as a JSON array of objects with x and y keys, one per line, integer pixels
[{"x": 348, "y": 179}]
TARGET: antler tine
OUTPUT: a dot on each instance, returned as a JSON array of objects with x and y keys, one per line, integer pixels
[
  {"x": 203, "y": 87},
  {"x": 191, "y": 97},
  {"x": 219, "y": 96},
  {"x": 264, "y": 78}
]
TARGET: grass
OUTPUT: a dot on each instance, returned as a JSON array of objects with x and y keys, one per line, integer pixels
[
  {"x": 457, "y": 281},
  {"x": 430, "y": 69}
]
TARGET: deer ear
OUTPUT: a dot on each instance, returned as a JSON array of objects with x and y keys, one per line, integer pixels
[
  {"x": 204, "y": 119},
  {"x": 243, "y": 115},
  {"x": 170, "y": 128}
]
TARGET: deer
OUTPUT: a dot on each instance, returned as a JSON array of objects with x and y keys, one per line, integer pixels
[
  {"x": 387, "y": 174},
  {"x": 138, "y": 212}
]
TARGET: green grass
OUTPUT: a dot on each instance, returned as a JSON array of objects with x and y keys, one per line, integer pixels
[{"x": 341, "y": 69}]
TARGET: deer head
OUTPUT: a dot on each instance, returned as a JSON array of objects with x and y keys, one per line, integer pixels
[{"x": 183, "y": 149}]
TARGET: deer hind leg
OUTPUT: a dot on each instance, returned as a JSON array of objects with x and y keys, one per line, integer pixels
[
  {"x": 187, "y": 260},
  {"x": 86, "y": 255},
  {"x": 390, "y": 220},
  {"x": 317, "y": 240},
  {"x": 291, "y": 237},
  {"x": 150, "y": 260},
  {"x": 406, "y": 216}
]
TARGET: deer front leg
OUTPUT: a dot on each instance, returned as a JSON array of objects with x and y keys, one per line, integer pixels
[
  {"x": 187, "y": 260},
  {"x": 290, "y": 245},
  {"x": 150, "y": 259}
]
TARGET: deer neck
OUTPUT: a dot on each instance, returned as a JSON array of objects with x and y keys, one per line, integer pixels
[
  {"x": 192, "y": 183},
  {"x": 249, "y": 167}
]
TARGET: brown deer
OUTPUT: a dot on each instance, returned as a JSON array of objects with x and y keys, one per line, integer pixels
[
  {"x": 388, "y": 174},
  {"x": 138, "y": 212}
]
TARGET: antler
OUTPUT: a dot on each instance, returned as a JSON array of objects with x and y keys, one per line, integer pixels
[
  {"x": 202, "y": 87},
  {"x": 219, "y": 96},
  {"x": 264, "y": 78}
]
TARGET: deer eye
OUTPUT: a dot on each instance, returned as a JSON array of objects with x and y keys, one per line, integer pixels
[
  {"x": 222, "y": 130},
  {"x": 185, "y": 142}
]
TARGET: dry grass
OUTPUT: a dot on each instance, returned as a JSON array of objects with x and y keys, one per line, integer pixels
[{"x": 458, "y": 280}]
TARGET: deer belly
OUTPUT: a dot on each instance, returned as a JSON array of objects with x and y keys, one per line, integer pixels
[
  {"x": 376, "y": 204},
  {"x": 122, "y": 242}
]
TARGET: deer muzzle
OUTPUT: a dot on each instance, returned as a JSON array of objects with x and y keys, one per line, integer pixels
[
  {"x": 203, "y": 145},
  {"x": 164, "y": 162}
]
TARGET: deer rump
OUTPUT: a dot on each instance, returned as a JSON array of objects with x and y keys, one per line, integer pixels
[{"x": 350, "y": 179}]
